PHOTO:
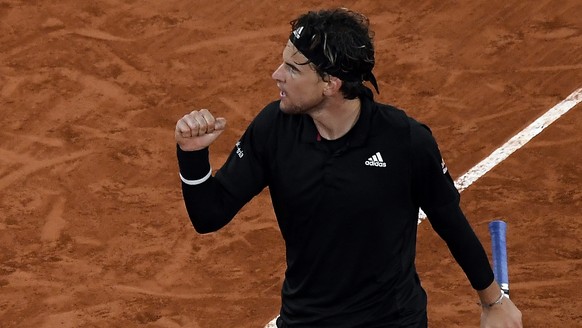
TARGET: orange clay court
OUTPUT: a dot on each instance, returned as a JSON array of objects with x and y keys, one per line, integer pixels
[{"x": 93, "y": 231}]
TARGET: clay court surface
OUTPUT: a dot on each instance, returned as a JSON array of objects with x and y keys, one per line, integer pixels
[{"x": 93, "y": 231}]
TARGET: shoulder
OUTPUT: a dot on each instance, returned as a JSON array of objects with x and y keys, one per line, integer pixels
[
  {"x": 267, "y": 126},
  {"x": 272, "y": 108},
  {"x": 271, "y": 117},
  {"x": 418, "y": 130},
  {"x": 393, "y": 117},
  {"x": 421, "y": 135},
  {"x": 397, "y": 117},
  {"x": 390, "y": 114},
  {"x": 263, "y": 122}
]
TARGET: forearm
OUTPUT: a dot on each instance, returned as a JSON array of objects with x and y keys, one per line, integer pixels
[
  {"x": 209, "y": 205},
  {"x": 452, "y": 226},
  {"x": 498, "y": 309}
]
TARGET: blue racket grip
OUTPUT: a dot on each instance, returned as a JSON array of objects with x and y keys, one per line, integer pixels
[{"x": 497, "y": 230}]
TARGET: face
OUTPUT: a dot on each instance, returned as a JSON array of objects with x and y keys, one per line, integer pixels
[{"x": 301, "y": 87}]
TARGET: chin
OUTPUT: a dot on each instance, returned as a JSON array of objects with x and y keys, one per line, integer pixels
[
  {"x": 285, "y": 108},
  {"x": 295, "y": 109},
  {"x": 292, "y": 111}
]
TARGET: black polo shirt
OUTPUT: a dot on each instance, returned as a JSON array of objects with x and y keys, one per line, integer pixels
[{"x": 347, "y": 212}]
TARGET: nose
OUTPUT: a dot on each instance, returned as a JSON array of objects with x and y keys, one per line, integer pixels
[{"x": 278, "y": 74}]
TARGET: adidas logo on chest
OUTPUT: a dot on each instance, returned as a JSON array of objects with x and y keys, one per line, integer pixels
[{"x": 376, "y": 160}]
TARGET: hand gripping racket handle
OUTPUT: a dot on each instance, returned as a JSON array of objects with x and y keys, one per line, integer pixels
[{"x": 497, "y": 230}]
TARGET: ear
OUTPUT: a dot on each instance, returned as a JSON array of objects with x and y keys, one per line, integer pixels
[{"x": 332, "y": 86}]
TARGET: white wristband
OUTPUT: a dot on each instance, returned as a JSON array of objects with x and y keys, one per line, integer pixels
[{"x": 196, "y": 182}]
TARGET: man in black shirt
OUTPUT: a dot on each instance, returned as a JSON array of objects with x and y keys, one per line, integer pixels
[{"x": 347, "y": 177}]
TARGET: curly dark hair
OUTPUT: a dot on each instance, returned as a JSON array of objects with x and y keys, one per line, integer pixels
[{"x": 337, "y": 42}]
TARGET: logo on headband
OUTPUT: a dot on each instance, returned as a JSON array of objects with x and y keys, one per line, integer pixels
[{"x": 297, "y": 32}]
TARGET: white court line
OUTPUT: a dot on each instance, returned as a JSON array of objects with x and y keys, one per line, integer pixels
[
  {"x": 501, "y": 153},
  {"x": 515, "y": 143}
]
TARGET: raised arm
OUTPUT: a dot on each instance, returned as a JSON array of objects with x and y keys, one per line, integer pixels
[
  {"x": 209, "y": 206},
  {"x": 212, "y": 201}
]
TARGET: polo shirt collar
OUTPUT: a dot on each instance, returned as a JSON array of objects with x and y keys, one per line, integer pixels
[{"x": 360, "y": 131}]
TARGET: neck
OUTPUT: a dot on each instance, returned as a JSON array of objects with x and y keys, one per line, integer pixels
[{"x": 337, "y": 118}]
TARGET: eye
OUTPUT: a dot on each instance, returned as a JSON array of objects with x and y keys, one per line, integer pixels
[{"x": 292, "y": 69}]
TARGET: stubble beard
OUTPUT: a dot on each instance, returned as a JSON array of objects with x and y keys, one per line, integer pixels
[{"x": 300, "y": 109}]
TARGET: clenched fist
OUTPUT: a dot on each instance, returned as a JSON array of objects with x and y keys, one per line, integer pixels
[{"x": 198, "y": 130}]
